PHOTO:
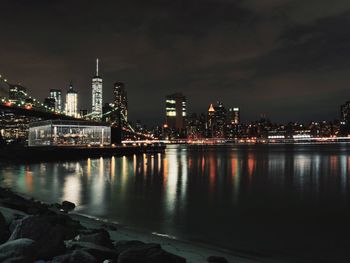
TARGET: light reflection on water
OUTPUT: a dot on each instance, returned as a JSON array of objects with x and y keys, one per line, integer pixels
[{"x": 248, "y": 197}]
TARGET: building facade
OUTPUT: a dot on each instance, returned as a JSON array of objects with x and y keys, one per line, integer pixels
[
  {"x": 97, "y": 95},
  {"x": 211, "y": 123},
  {"x": 56, "y": 94},
  {"x": 72, "y": 102},
  {"x": 68, "y": 133},
  {"x": 221, "y": 119},
  {"x": 121, "y": 100},
  {"x": 234, "y": 115},
  {"x": 175, "y": 108}
]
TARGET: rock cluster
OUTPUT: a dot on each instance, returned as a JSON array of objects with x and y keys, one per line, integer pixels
[{"x": 31, "y": 231}]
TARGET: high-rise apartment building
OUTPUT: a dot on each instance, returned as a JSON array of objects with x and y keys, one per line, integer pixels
[
  {"x": 56, "y": 94},
  {"x": 97, "y": 95},
  {"x": 175, "y": 111},
  {"x": 71, "y": 102}
]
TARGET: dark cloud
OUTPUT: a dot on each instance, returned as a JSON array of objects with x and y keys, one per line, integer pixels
[{"x": 250, "y": 53}]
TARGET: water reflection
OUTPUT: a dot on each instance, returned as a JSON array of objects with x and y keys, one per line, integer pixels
[
  {"x": 170, "y": 183},
  {"x": 186, "y": 189},
  {"x": 176, "y": 170}
]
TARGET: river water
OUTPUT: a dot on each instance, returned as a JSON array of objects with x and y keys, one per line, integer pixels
[{"x": 288, "y": 200}]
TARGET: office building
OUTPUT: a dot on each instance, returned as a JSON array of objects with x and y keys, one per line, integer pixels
[
  {"x": 234, "y": 115},
  {"x": 17, "y": 93},
  {"x": 57, "y": 95},
  {"x": 97, "y": 95},
  {"x": 68, "y": 133},
  {"x": 72, "y": 102},
  {"x": 196, "y": 126},
  {"x": 121, "y": 100},
  {"x": 220, "y": 118},
  {"x": 233, "y": 121},
  {"x": 211, "y": 123},
  {"x": 217, "y": 121},
  {"x": 175, "y": 111}
]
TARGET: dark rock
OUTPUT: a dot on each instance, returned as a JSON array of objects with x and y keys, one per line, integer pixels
[
  {"x": 56, "y": 206},
  {"x": 13, "y": 224},
  {"x": 4, "y": 233},
  {"x": 148, "y": 253},
  {"x": 49, "y": 237},
  {"x": 123, "y": 245},
  {"x": 110, "y": 227},
  {"x": 28, "y": 206},
  {"x": 77, "y": 256},
  {"x": 71, "y": 227},
  {"x": 100, "y": 238},
  {"x": 99, "y": 252},
  {"x": 11, "y": 214},
  {"x": 214, "y": 259},
  {"x": 68, "y": 206},
  {"x": 20, "y": 250}
]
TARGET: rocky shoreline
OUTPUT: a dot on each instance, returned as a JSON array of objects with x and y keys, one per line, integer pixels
[{"x": 32, "y": 231}]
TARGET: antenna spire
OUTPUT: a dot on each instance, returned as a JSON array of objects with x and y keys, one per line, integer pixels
[{"x": 96, "y": 66}]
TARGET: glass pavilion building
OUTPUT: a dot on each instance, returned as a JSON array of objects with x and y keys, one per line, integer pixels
[{"x": 68, "y": 133}]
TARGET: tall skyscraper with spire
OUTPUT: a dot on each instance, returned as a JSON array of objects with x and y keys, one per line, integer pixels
[
  {"x": 97, "y": 95},
  {"x": 72, "y": 102}
]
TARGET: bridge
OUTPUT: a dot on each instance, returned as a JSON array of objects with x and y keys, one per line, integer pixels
[{"x": 30, "y": 106}]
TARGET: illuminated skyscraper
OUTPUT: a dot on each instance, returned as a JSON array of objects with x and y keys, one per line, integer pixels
[
  {"x": 121, "y": 100},
  {"x": 211, "y": 124},
  {"x": 175, "y": 111},
  {"x": 97, "y": 95},
  {"x": 72, "y": 102},
  {"x": 57, "y": 95}
]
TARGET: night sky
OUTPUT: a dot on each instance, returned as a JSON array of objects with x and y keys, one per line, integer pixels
[{"x": 288, "y": 59}]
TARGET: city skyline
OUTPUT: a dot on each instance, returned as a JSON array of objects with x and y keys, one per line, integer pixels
[
  {"x": 264, "y": 58},
  {"x": 175, "y": 131},
  {"x": 54, "y": 100}
]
